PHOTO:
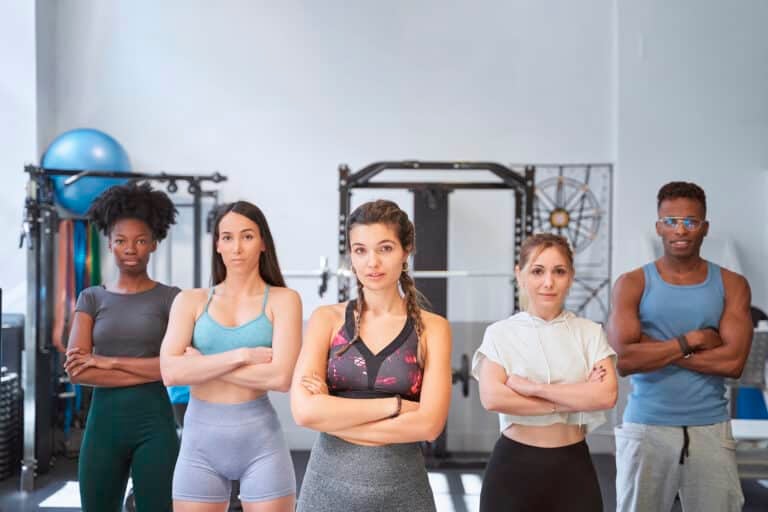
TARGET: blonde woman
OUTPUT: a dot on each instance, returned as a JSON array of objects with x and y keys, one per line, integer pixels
[{"x": 547, "y": 373}]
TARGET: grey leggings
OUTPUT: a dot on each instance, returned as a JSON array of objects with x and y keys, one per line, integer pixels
[
  {"x": 342, "y": 476},
  {"x": 225, "y": 442}
]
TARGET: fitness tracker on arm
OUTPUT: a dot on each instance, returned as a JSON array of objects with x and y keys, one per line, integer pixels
[{"x": 684, "y": 346}]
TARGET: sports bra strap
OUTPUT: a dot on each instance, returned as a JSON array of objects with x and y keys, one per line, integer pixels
[
  {"x": 210, "y": 296},
  {"x": 266, "y": 294}
]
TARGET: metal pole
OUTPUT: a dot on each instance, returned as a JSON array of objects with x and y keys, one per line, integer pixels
[
  {"x": 194, "y": 189},
  {"x": 169, "y": 257},
  {"x": 343, "y": 282},
  {"x": 48, "y": 227},
  {"x": 29, "y": 361}
]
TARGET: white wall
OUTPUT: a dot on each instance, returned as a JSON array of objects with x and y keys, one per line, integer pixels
[
  {"x": 692, "y": 105},
  {"x": 18, "y": 140},
  {"x": 276, "y": 95}
]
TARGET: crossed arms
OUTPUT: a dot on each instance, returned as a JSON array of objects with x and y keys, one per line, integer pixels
[
  {"x": 716, "y": 352},
  {"x": 258, "y": 368},
  {"x": 367, "y": 420}
]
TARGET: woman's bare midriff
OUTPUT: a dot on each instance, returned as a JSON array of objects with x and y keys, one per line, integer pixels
[
  {"x": 360, "y": 443},
  {"x": 220, "y": 392},
  {"x": 549, "y": 436}
]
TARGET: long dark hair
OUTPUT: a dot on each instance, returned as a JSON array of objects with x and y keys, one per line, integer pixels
[
  {"x": 269, "y": 268},
  {"x": 390, "y": 214}
]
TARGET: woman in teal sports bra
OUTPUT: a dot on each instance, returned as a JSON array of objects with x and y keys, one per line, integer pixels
[{"x": 232, "y": 343}]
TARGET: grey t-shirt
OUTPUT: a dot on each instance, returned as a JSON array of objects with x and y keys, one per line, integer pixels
[{"x": 127, "y": 324}]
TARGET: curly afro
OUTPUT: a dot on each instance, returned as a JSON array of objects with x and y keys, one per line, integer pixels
[{"x": 133, "y": 201}]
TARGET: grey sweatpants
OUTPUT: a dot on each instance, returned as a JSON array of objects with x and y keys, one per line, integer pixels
[{"x": 649, "y": 472}]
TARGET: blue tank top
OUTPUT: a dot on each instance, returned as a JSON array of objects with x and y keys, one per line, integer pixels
[
  {"x": 675, "y": 396},
  {"x": 210, "y": 337}
]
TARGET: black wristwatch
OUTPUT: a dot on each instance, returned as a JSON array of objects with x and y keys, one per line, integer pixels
[{"x": 684, "y": 346}]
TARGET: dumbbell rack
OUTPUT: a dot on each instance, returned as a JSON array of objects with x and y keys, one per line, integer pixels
[{"x": 10, "y": 423}]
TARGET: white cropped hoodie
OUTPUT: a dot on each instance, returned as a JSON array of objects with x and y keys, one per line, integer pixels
[{"x": 562, "y": 350}]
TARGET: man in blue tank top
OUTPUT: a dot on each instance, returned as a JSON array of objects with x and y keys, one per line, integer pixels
[{"x": 680, "y": 325}]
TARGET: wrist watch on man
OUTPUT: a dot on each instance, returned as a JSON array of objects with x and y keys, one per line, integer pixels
[{"x": 685, "y": 346}]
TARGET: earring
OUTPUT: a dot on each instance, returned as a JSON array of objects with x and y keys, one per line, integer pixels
[{"x": 405, "y": 266}]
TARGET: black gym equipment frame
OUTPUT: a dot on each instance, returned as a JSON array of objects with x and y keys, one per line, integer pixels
[
  {"x": 433, "y": 196},
  {"x": 431, "y": 225},
  {"x": 39, "y": 228}
]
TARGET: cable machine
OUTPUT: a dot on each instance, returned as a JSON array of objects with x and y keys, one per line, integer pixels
[{"x": 40, "y": 379}]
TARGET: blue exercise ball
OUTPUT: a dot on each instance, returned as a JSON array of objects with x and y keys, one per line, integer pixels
[{"x": 84, "y": 149}]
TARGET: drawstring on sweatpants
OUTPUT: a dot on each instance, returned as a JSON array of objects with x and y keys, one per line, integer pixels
[{"x": 686, "y": 443}]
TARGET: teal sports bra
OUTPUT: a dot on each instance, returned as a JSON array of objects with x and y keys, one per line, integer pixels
[{"x": 210, "y": 337}]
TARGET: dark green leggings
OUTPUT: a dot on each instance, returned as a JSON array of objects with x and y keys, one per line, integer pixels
[{"x": 130, "y": 430}]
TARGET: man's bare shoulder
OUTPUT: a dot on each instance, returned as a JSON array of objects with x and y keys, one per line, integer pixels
[
  {"x": 630, "y": 282},
  {"x": 733, "y": 282}
]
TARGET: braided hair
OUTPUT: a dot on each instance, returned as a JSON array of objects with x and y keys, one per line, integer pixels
[{"x": 390, "y": 214}]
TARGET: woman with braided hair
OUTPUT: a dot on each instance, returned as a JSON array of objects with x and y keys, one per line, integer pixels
[
  {"x": 374, "y": 377},
  {"x": 114, "y": 347}
]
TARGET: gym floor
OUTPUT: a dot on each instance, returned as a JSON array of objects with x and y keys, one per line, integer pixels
[{"x": 455, "y": 490}]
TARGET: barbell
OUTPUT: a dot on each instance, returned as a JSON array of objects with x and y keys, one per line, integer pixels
[{"x": 324, "y": 273}]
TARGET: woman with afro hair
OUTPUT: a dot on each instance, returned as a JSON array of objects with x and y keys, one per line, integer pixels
[{"x": 114, "y": 346}]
